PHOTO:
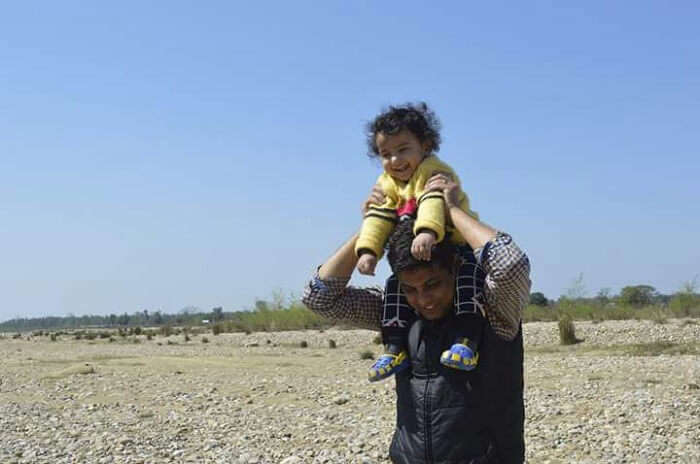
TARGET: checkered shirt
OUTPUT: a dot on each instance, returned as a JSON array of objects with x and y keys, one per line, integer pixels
[{"x": 506, "y": 289}]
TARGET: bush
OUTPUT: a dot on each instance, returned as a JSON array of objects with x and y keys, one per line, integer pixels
[
  {"x": 685, "y": 305},
  {"x": 567, "y": 331},
  {"x": 53, "y": 337},
  {"x": 331, "y": 344},
  {"x": 303, "y": 344},
  {"x": 659, "y": 317},
  {"x": 187, "y": 338},
  {"x": 366, "y": 354},
  {"x": 377, "y": 340},
  {"x": 137, "y": 330},
  {"x": 205, "y": 340},
  {"x": 91, "y": 335},
  {"x": 217, "y": 328},
  {"x": 166, "y": 330}
]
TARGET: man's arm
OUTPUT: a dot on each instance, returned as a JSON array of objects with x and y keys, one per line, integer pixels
[
  {"x": 329, "y": 295},
  {"x": 507, "y": 267},
  {"x": 507, "y": 284},
  {"x": 342, "y": 262}
]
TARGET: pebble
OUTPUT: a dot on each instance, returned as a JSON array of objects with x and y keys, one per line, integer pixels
[{"x": 278, "y": 403}]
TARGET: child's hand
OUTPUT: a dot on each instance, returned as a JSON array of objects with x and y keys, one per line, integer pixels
[
  {"x": 422, "y": 245},
  {"x": 367, "y": 263}
]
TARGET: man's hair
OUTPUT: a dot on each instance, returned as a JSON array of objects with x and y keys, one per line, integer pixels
[
  {"x": 399, "y": 250},
  {"x": 420, "y": 120}
]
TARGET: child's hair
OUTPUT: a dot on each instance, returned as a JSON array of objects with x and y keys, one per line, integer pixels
[
  {"x": 399, "y": 250},
  {"x": 417, "y": 118}
]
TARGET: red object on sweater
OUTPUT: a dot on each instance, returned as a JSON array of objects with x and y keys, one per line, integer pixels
[{"x": 408, "y": 209}]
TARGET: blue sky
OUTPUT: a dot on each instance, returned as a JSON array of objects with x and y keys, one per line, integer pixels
[{"x": 156, "y": 155}]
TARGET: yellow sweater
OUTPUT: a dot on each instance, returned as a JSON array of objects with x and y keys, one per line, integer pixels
[{"x": 380, "y": 220}]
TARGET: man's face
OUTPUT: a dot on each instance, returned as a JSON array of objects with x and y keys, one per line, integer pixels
[
  {"x": 429, "y": 290},
  {"x": 400, "y": 153}
]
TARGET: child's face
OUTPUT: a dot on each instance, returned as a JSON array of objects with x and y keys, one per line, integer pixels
[{"x": 400, "y": 153}]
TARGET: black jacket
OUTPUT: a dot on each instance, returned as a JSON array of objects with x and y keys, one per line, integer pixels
[{"x": 448, "y": 416}]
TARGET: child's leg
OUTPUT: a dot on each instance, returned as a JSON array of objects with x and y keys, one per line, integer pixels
[
  {"x": 464, "y": 352},
  {"x": 468, "y": 304},
  {"x": 396, "y": 321}
]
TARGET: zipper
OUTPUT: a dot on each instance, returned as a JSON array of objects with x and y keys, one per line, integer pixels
[{"x": 427, "y": 406}]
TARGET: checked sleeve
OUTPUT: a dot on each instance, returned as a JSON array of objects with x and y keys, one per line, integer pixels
[
  {"x": 333, "y": 299},
  {"x": 507, "y": 284}
]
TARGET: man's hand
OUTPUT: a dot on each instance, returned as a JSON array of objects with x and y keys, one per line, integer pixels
[
  {"x": 442, "y": 182},
  {"x": 476, "y": 234},
  {"x": 376, "y": 197},
  {"x": 422, "y": 245},
  {"x": 367, "y": 263}
]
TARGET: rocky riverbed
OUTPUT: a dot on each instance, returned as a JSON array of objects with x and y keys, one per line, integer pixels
[{"x": 628, "y": 393}]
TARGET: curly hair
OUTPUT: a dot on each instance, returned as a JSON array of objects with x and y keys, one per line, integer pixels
[
  {"x": 417, "y": 118},
  {"x": 399, "y": 250}
]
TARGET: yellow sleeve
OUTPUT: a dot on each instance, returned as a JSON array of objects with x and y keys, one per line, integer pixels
[
  {"x": 379, "y": 221},
  {"x": 431, "y": 207}
]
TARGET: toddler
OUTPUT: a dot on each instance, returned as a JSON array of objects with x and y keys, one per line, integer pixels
[{"x": 405, "y": 138}]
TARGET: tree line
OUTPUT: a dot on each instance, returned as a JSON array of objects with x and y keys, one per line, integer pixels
[
  {"x": 187, "y": 316},
  {"x": 286, "y": 313},
  {"x": 635, "y": 296}
]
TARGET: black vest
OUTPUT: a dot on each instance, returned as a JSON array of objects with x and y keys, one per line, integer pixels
[{"x": 448, "y": 416}]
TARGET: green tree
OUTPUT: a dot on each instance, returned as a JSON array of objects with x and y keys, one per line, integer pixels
[
  {"x": 261, "y": 306},
  {"x": 123, "y": 319},
  {"x": 217, "y": 313},
  {"x": 603, "y": 296},
  {"x": 637, "y": 295},
  {"x": 538, "y": 299}
]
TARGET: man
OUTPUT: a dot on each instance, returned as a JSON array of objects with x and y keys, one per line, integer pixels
[{"x": 445, "y": 415}]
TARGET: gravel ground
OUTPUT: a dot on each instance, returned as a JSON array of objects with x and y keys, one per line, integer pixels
[{"x": 261, "y": 398}]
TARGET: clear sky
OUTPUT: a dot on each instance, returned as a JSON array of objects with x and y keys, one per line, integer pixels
[{"x": 155, "y": 155}]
